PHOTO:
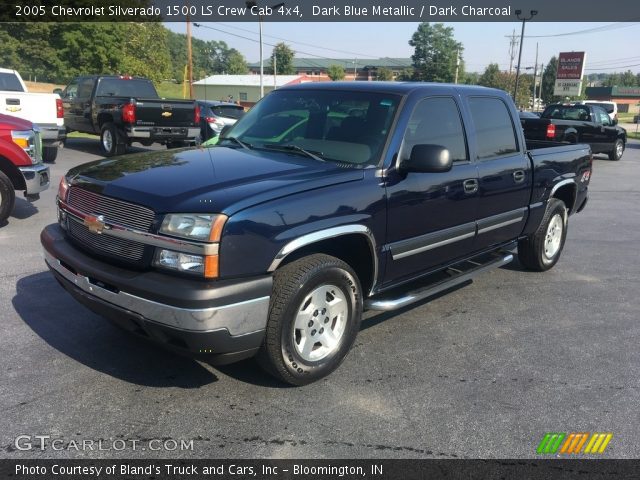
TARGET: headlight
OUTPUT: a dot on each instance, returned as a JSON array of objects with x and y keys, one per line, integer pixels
[
  {"x": 29, "y": 142},
  {"x": 63, "y": 189},
  {"x": 194, "y": 226},
  {"x": 203, "y": 266}
]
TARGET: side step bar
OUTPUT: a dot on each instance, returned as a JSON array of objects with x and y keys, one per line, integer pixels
[{"x": 457, "y": 275}]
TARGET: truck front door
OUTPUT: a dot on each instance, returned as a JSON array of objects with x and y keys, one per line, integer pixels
[{"x": 431, "y": 216}]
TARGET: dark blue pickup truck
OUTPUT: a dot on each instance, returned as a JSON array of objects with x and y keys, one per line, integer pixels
[{"x": 323, "y": 200}]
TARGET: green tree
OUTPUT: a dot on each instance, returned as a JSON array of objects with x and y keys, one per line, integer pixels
[
  {"x": 472, "y": 78},
  {"x": 436, "y": 53},
  {"x": 335, "y": 72},
  {"x": 384, "y": 74},
  {"x": 549, "y": 81},
  {"x": 283, "y": 55},
  {"x": 145, "y": 51},
  {"x": 236, "y": 63},
  {"x": 491, "y": 76},
  {"x": 406, "y": 75}
]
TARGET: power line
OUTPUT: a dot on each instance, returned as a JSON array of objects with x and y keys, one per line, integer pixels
[
  {"x": 613, "y": 68},
  {"x": 611, "y": 26}
]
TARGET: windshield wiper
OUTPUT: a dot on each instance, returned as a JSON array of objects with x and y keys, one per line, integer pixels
[
  {"x": 247, "y": 146},
  {"x": 295, "y": 148}
]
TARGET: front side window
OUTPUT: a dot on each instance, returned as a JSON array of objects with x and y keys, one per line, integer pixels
[
  {"x": 85, "y": 87},
  {"x": 601, "y": 115},
  {"x": 342, "y": 126},
  {"x": 436, "y": 121},
  {"x": 495, "y": 135}
]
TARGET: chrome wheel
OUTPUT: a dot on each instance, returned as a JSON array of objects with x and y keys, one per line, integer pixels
[
  {"x": 553, "y": 237},
  {"x": 619, "y": 149},
  {"x": 320, "y": 323},
  {"x": 107, "y": 140}
]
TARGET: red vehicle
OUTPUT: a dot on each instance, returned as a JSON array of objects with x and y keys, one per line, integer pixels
[{"x": 21, "y": 166}]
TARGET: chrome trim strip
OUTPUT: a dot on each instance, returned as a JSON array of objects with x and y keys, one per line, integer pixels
[
  {"x": 500, "y": 225},
  {"x": 315, "y": 237},
  {"x": 238, "y": 318},
  {"x": 147, "y": 238},
  {"x": 431, "y": 246}
]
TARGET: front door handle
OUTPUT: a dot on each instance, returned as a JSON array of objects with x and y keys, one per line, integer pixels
[
  {"x": 518, "y": 176},
  {"x": 470, "y": 185}
]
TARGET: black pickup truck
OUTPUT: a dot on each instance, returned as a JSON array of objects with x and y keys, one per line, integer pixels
[
  {"x": 123, "y": 109},
  {"x": 578, "y": 123},
  {"x": 323, "y": 200}
]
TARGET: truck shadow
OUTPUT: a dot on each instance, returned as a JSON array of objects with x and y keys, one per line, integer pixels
[
  {"x": 91, "y": 145},
  {"x": 83, "y": 336},
  {"x": 23, "y": 209}
]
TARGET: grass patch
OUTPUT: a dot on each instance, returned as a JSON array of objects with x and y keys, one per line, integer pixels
[
  {"x": 626, "y": 117},
  {"x": 80, "y": 135},
  {"x": 170, "y": 90},
  {"x": 634, "y": 135}
]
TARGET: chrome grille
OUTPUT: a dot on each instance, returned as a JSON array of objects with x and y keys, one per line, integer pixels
[
  {"x": 114, "y": 211},
  {"x": 116, "y": 247}
]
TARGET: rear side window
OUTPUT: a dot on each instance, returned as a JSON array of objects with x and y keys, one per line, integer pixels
[
  {"x": 436, "y": 121},
  {"x": 495, "y": 135},
  {"x": 10, "y": 83},
  {"x": 85, "y": 87},
  {"x": 228, "y": 111}
]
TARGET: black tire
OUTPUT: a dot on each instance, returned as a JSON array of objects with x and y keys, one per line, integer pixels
[
  {"x": 49, "y": 154},
  {"x": 618, "y": 150},
  {"x": 293, "y": 284},
  {"x": 7, "y": 197},
  {"x": 112, "y": 140},
  {"x": 538, "y": 251}
]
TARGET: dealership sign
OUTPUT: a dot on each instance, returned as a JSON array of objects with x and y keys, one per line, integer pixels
[{"x": 569, "y": 75}]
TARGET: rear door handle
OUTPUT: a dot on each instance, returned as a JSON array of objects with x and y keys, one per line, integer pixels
[
  {"x": 518, "y": 176},
  {"x": 470, "y": 186}
]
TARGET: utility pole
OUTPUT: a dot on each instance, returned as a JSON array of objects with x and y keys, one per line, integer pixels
[
  {"x": 535, "y": 78},
  {"x": 189, "y": 58},
  {"x": 513, "y": 44},
  {"x": 457, "y": 64},
  {"x": 532, "y": 14},
  {"x": 540, "y": 89},
  {"x": 355, "y": 69}
]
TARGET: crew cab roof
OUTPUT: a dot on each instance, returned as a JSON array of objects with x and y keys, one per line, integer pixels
[{"x": 399, "y": 88}]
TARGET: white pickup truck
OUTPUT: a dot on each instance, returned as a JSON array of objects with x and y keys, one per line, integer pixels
[{"x": 43, "y": 109}]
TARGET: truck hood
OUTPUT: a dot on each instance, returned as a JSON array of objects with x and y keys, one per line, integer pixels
[
  {"x": 215, "y": 180},
  {"x": 14, "y": 123}
]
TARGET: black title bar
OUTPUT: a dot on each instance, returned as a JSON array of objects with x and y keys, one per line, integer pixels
[{"x": 321, "y": 11}]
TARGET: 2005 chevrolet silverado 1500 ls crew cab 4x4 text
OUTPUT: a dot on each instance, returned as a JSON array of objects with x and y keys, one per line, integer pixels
[{"x": 323, "y": 200}]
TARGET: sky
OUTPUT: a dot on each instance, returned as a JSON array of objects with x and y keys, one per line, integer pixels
[{"x": 610, "y": 47}]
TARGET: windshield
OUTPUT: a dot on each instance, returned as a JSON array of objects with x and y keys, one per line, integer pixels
[
  {"x": 122, "y": 87},
  {"x": 342, "y": 126}
]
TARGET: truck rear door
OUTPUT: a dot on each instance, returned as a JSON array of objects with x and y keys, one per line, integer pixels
[{"x": 504, "y": 170}]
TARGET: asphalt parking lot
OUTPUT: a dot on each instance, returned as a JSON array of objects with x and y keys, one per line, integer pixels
[{"x": 484, "y": 371}]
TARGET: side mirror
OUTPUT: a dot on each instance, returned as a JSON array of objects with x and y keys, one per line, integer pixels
[
  {"x": 223, "y": 132},
  {"x": 58, "y": 91},
  {"x": 427, "y": 159}
]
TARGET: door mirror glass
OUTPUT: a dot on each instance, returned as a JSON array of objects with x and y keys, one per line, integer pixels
[
  {"x": 426, "y": 158},
  {"x": 58, "y": 91}
]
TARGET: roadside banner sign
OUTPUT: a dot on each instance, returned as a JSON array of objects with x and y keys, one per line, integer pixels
[{"x": 569, "y": 75}]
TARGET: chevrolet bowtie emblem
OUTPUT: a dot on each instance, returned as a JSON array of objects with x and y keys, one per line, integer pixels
[
  {"x": 94, "y": 224},
  {"x": 13, "y": 109},
  {"x": 166, "y": 114}
]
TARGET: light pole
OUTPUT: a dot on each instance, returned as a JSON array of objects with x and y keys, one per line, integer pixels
[
  {"x": 532, "y": 14},
  {"x": 251, "y": 4}
]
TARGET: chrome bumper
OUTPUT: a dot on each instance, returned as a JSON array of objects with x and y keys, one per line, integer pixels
[
  {"x": 238, "y": 318},
  {"x": 163, "y": 134},
  {"x": 36, "y": 178},
  {"x": 52, "y": 133}
]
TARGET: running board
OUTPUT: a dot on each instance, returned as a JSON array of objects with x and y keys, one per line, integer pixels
[{"x": 458, "y": 273}]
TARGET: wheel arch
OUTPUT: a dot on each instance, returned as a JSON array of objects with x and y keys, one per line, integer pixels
[
  {"x": 353, "y": 244},
  {"x": 567, "y": 191},
  {"x": 104, "y": 118},
  {"x": 12, "y": 172}
]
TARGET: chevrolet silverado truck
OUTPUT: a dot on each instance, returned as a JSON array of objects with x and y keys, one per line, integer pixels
[
  {"x": 578, "y": 123},
  {"x": 21, "y": 165},
  {"x": 43, "y": 109},
  {"x": 272, "y": 242},
  {"x": 124, "y": 109}
]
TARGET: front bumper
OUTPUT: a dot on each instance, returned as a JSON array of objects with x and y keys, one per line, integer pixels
[
  {"x": 223, "y": 318},
  {"x": 163, "y": 133},
  {"x": 52, "y": 134},
  {"x": 36, "y": 178}
]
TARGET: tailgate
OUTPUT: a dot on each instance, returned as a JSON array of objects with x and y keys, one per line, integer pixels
[
  {"x": 535, "y": 128},
  {"x": 38, "y": 108},
  {"x": 165, "y": 113}
]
